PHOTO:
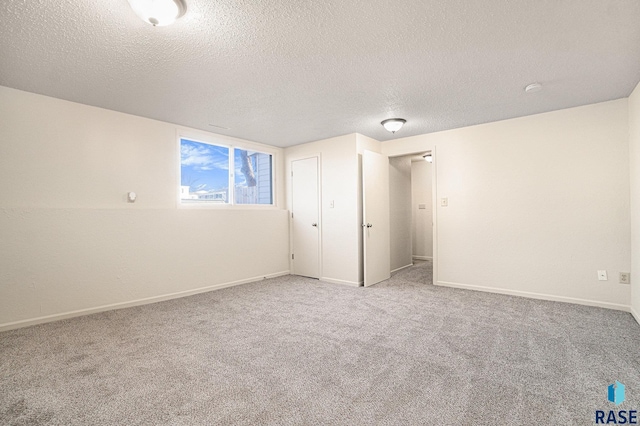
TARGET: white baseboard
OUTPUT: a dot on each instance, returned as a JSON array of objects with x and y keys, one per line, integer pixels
[
  {"x": 132, "y": 303},
  {"x": 402, "y": 267},
  {"x": 422, "y": 257},
  {"x": 540, "y": 296},
  {"x": 635, "y": 314},
  {"x": 343, "y": 282}
]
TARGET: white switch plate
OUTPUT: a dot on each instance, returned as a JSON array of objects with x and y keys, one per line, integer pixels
[
  {"x": 444, "y": 202},
  {"x": 602, "y": 275},
  {"x": 625, "y": 278}
]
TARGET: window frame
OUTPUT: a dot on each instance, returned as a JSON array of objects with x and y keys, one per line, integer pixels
[{"x": 232, "y": 145}]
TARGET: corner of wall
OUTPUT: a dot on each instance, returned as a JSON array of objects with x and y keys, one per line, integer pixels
[
  {"x": 366, "y": 143},
  {"x": 634, "y": 164}
]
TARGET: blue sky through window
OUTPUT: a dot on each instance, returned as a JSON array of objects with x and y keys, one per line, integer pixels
[{"x": 204, "y": 167}]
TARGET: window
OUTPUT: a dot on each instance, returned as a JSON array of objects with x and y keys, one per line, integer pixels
[
  {"x": 216, "y": 174},
  {"x": 252, "y": 177}
]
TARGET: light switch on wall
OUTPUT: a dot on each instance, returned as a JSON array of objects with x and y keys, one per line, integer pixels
[{"x": 444, "y": 202}]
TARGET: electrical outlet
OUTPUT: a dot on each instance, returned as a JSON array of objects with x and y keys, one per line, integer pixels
[
  {"x": 625, "y": 278},
  {"x": 602, "y": 275}
]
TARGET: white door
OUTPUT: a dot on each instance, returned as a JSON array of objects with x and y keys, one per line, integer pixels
[
  {"x": 305, "y": 217},
  {"x": 375, "y": 214}
]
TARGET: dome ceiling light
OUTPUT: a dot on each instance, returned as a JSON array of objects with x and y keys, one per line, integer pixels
[
  {"x": 158, "y": 12},
  {"x": 393, "y": 124}
]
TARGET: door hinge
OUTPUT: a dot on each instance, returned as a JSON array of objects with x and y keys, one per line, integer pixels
[
  {"x": 291, "y": 256},
  {"x": 292, "y": 173},
  {"x": 291, "y": 215}
]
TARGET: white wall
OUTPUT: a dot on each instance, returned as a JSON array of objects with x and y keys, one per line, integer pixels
[
  {"x": 634, "y": 155},
  {"x": 536, "y": 204},
  {"x": 400, "y": 212},
  {"x": 70, "y": 241},
  {"x": 422, "y": 218},
  {"x": 339, "y": 225}
]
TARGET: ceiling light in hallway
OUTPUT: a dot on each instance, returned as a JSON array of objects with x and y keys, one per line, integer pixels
[{"x": 533, "y": 88}]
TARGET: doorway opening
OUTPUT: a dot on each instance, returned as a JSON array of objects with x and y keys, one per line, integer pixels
[{"x": 412, "y": 210}]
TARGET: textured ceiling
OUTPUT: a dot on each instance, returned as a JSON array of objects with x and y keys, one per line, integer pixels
[{"x": 285, "y": 72}]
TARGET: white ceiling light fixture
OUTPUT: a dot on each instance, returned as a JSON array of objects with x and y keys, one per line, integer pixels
[
  {"x": 159, "y": 12},
  {"x": 533, "y": 88},
  {"x": 428, "y": 158},
  {"x": 393, "y": 124}
]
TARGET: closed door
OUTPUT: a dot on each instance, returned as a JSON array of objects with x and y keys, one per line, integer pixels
[
  {"x": 305, "y": 217},
  {"x": 375, "y": 213}
]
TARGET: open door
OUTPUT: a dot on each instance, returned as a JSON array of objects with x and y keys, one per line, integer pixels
[{"x": 375, "y": 214}]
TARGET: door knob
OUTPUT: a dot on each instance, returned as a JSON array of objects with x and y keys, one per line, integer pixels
[
  {"x": 369, "y": 225},
  {"x": 314, "y": 224}
]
